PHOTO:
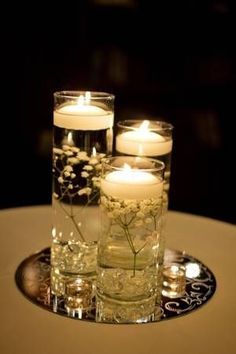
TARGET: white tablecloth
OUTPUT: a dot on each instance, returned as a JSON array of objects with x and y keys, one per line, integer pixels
[{"x": 29, "y": 329}]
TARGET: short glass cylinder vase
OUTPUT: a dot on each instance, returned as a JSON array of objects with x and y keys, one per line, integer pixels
[
  {"x": 83, "y": 137},
  {"x": 129, "y": 279}
]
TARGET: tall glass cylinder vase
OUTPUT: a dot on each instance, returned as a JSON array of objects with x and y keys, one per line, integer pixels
[
  {"x": 128, "y": 286},
  {"x": 151, "y": 139},
  {"x": 83, "y": 137}
]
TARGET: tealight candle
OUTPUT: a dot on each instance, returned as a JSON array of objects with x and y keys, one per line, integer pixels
[
  {"x": 128, "y": 183},
  {"x": 143, "y": 142},
  {"x": 174, "y": 281},
  {"x": 83, "y": 115}
]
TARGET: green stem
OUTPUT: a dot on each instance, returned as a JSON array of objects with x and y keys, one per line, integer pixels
[
  {"x": 130, "y": 241},
  {"x": 71, "y": 216},
  {"x": 134, "y": 267}
]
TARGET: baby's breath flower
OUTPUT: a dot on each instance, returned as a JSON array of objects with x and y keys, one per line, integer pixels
[
  {"x": 140, "y": 215},
  {"x": 146, "y": 209},
  {"x": 66, "y": 173},
  {"x": 85, "y": 190},
  {"x": 68, "y": 153},
  {"x": 117, "y": 205},
  {"x": 66, "y": 147},
  {"x": 75, "y": 149},
  {"x": 70, "y": 186},
  {"x": 93, "y": 161},
  {"x": 57, "y": 151},
  {"x": 55, "y": 195},
  {"x": 82, "y": 155},
  {"x": 88, "y": 168},
  {"x": 68, "y": 168},
  {"x": 84, "y": 174},
  {"x": 148, "y": 221},
  {"x": 97, "y": 184},
  {"x": 116, "y": 214},
  {"x": 60, "y": 180},
  {"x": 98, "y": 167},
  {"x": 72, "y": 160},
  {"x": 73, "y": 175}
]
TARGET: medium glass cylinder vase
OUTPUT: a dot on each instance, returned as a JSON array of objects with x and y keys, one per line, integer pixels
[
  {"x": 83, "y": 137},
  {"x": 128, "y": 281},
  {"x": 150, "y": 139}
]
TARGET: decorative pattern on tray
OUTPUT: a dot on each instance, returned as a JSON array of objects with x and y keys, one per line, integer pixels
[{"x": 33, "y": 280}]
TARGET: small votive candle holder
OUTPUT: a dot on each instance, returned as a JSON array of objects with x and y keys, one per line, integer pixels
[
  {"x": 174, "y": 281},
  {"x": 78, "y": 296}
]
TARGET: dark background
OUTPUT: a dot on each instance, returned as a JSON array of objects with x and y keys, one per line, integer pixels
[{"x": 170, "y": 60}]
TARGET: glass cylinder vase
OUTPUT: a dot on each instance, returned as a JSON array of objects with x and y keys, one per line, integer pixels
[
  {"x": 148, "y": 139},
  {"x": 128, "y": 280},
  {"x": 83, "y": 137}
]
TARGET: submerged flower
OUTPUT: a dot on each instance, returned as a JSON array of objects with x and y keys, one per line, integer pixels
[
  {"x": 57, "y": 151},
  {"x": 65, "y": 147},
  {"x": 75, "y": 149},
  {"x": 88, "y": 168},
  {"x": 60, "y": 180},
  {"x": 84, "y": 174},
  {"x": 72, "y": 160},
  {"x": 82, "y": 155},
  {"x": 85, "y": 190},
  {"x": 68, "y": 168}
]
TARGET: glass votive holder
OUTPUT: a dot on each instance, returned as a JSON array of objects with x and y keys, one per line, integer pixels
[
  {"x": 78, "y": 296},
  {"x": 82, "y": 138},
  {"x": 174, "y": 280},
  {"x": 128, "y": 249}
]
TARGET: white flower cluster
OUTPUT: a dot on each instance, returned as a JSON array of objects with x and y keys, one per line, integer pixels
[
  {"x": 76, "y": 172},
  {"x": 132, "y": 213}
]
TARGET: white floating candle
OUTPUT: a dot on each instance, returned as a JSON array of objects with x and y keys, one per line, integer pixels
[
  {"x": 83, "y": 116},
  {"x": 143, "y": 142},
  {"x": 132, "y": 184}
]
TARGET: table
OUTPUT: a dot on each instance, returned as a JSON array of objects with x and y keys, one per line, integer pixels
[{"x": 29, "y": 329}]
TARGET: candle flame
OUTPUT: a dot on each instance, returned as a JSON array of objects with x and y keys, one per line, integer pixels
[
  {"x": 84, "y": 99},
  {"x": 126, "y": 166},
  {"x": 94, "y": 152},
  {"x": 144, "y": 126}
]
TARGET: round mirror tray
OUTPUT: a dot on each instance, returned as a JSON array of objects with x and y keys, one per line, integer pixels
[{"x": 33, "y": 279}]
